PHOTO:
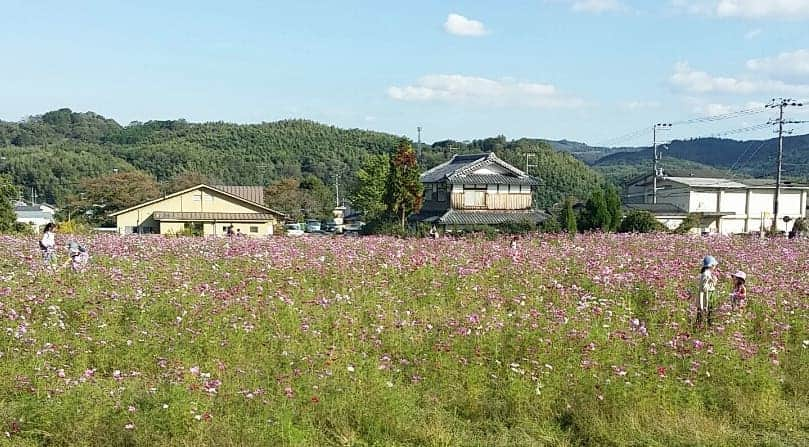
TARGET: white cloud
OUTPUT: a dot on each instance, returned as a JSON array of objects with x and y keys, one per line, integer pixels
[
  {"x": 747, "y": 9},
  {"x": 715, "y": 109},
  {"x": 640, "y": 105},
  {"x": 461, "y": 26},
  {"x": 752, "y": 34},
  {"x": 785, "y": 65},
  {"x": 693, "y": 81},
  {"x": 482, "y": 91},
  {"x": 598, "y": 6}
]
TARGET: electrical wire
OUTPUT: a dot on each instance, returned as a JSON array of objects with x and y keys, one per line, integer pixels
[{"x": 705, "y": 119}]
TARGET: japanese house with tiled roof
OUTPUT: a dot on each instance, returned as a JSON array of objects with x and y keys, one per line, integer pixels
[
  {"x": 477, "y": 189},
  {"x": 202, "y": 209}
]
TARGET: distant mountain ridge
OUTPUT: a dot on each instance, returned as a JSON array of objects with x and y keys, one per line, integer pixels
[
  {"x": 52, "y": 152},
  {"x": 708, "y": 156}
]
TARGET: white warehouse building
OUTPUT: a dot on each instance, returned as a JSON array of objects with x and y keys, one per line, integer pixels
[{"x": 727, "y": 206}]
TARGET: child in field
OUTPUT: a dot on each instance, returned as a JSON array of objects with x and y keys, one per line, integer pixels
[
  {"x": 78, "y": 256},
  {"x": 48, "y": 243},
  {"x": 739, "y": 293},
  {"x": 707, "y": 286}
]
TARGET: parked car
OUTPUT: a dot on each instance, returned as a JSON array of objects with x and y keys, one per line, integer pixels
[
  {"x": 330, "y": 226},
  {"x": 294, "y": 229},
  {"x": 313, "y": 226},
  {"x": 354, "y": 226}
]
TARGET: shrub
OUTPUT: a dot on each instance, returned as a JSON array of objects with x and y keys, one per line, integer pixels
[
  {"x": 384, "y": 226},
  {"x": 74, "y": 227},
  {"x": 550, "y": 225},
  {"x": 521, "y": 227},
  {"x": 691, "y": 221},
  {"x": 640, "y": 221}
]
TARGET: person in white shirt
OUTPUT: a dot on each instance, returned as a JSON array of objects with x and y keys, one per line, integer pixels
[
  {"x": 707, "y": 286},
  {"x": 48, "y": 243}
]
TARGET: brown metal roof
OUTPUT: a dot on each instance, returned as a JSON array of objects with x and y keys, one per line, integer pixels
[
  {"x": 209, "y": 217},
  {"x": 253, "y": 194}
]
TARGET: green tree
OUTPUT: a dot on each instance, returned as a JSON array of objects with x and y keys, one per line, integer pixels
[
  {"x": 404, "y": 192},
  {"x": 596, "y": 216},
  {"x": 285, "y": 195},
  {"x": 640, "y": 221},
  {"x": 370, "y": 194},
  {"x": 114, "y": 192},
  {"x": 567, "y": 219},
  {"x": 8, "y": 192},
  {"x": 550, "y": 225},
  {"x": 613, "y": 200},
  {"x": 185, "y": 180},
  {"x": 317, "y": 197}
]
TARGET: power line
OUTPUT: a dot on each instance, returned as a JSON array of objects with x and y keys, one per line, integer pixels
[
  {"x": 753, "y": 154},
  {"x": 705, "y": 119},
  {"x": 722, "y": 116}
]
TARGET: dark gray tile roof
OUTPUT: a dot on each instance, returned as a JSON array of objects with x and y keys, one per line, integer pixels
[
  {"x": 37, "y": 214},
  {"x": 656, "y": 208},
  {"x": 495, "y": 179},
  {"x": 220, "y": 217},
  {"x": 458, "y": 171},
  {"x": 29, "y": 208},
  {"x": 456, "y": 217},
  {"x": 440, "y": 172},
  {"x": 253, "y": 194}
]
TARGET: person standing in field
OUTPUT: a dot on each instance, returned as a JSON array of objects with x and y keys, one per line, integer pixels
[
  {"x": 48, "y": 243},
  {"x": 707, "y": 287},
  {"x": 739, "y": 293},
  {"x": 77, "y": 256}
]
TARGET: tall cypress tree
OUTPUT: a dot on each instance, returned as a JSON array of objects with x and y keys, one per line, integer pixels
[
  {"x": 613, "y": 200},
  {"x": 597, "y": 217},
  {"x": 404, "y": 192},
  {"x": 567, "y": 219}
]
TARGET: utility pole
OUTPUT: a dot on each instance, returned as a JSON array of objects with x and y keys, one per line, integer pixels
[
  {"x": 527, "y": 165},
  {"x": 781, "y": 104},
  {"x": 337, "y": 187},
  {"x": 656, "y": 171},
  {"x": 419, "y": 143}
]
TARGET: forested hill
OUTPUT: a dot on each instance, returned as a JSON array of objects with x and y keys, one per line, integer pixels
[
  {"x": 755, "y": 158},
  {"x": 53, "y": 151}
]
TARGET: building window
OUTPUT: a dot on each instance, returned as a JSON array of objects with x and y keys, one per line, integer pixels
[
  {"x": 441, "y": 195},
  {"x": 197, "y": 197},
  {"x": 254, "y": 229}
]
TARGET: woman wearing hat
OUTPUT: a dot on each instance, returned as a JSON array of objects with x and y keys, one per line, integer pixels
[{"x": 739, "y": 293}]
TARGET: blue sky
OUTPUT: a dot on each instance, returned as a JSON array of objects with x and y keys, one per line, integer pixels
[{"x": 586, "y": 70}]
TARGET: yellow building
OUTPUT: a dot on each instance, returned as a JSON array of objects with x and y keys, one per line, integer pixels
[{"x": 203, "y": 209}]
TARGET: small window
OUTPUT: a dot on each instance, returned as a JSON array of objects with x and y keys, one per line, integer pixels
[
  {"x": 197, "y": 197},
  {"x": 225, "y": 229},
  {"x": 254, "y": 229}
]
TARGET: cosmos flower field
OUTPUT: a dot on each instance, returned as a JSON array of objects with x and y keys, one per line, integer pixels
[{"x": 383, "y": 341}]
